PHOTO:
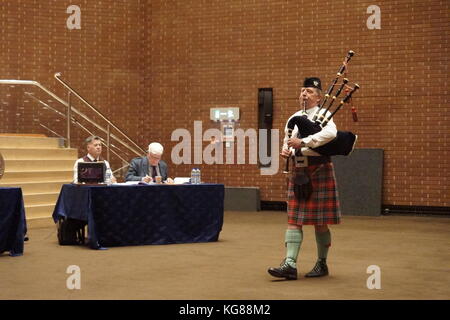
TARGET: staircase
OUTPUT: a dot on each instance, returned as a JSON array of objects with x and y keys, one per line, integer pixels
[{"x": 40, "y": 166}]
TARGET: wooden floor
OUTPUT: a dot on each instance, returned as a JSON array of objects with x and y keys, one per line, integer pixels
[{"x": 412, "y": 253}]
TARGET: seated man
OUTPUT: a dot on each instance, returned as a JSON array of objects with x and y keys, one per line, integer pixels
[
  {"x": 94, "y": 150},
  {"x": 146, "y": 168}
]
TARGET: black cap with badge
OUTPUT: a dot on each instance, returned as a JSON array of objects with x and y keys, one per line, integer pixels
[{"x": 312, "y": 82}]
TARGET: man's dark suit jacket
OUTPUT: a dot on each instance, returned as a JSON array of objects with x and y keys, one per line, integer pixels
[{"x": 139, "y": 169}]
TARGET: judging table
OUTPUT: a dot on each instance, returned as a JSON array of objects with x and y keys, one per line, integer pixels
[
  {"x": 121, "y": 215},
  {"x": 12, "y": 221}
]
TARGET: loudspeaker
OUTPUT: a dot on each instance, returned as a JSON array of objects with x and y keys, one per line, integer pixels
[
  {"x": 265, "y": 108},
  {"x": 265, "y": 116}
]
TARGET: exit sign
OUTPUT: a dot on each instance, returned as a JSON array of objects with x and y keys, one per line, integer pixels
[{"x": 220, "y": 114}]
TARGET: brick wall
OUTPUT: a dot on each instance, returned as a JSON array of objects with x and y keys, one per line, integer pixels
[
  {"x": 155, "y": 66},
  {"x": 218, "y": 53},
  {"x": 103, "y": 61}
]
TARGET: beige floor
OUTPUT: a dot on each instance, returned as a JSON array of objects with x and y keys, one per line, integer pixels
[{"x": 412, "y": 253}]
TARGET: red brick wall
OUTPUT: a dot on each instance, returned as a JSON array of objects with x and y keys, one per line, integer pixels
[
  {"x": 103, "y": 61},
  {"x": 218, "y": 53},
  {"x": 155, "y": 66}
]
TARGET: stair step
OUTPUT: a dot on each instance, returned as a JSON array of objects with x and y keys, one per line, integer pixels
[
  {"x": 39, "y": 211},
  {"x": 42, "y": 154},
  {"x": 38, "y": 165},
  {"x": 32, "y": 199},
  {"x": 37, "y": 187},
  {"x": 30, "y": 142},
  {"x": 39, "y": 176}
]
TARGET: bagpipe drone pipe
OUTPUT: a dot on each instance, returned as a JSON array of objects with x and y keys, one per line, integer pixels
[{"x": 344, "y": 142}]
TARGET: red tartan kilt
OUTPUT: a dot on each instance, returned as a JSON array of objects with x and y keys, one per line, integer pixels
[{"x": 323, "y": 205}]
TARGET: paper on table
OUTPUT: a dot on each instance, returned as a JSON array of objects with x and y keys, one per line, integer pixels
[
  {"x": 181, "y": 180},
  {"x": 128, "y": 183}
]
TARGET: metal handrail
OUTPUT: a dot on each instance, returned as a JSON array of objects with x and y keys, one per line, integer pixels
[
  {"x": 65, "y": 84},
  {"x": 59, "y": 136},
  {"x": 72, "y": 119},
  {"x": 55, "y": 133},
  {"x": 82, "y": 115},
  {"x": 34, "y": 83},
  {"x": 75, "y": 121}
]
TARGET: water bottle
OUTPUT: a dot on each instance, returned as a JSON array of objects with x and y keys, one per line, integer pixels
[
  {"x": 196, "y": 176},
  {"x": 108, "y": 178},
  {"x": 199, "y": 176},
  {"x": 193, "y": 172}
]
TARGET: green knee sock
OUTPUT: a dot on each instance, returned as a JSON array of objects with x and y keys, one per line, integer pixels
[
  {"x": 293, "y": 241},
  {"x": 323, "y": 240}
]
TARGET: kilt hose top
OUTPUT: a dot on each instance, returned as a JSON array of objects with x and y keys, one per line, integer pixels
[{"x": 322, "y": 207}]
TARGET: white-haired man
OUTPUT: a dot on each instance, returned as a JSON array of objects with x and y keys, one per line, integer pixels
[{"x": 146, "y": 168}]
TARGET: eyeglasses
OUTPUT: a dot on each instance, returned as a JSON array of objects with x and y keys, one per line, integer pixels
[{"x": 158, "y": 157}]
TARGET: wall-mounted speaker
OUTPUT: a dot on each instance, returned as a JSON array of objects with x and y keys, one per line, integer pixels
[
  {"x": 265, "y": 108},
  {"x": 265, "y": 116}
]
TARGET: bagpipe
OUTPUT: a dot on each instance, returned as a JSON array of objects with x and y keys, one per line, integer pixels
[{"x": 344, "y": 142}]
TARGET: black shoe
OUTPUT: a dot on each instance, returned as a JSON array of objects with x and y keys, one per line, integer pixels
[
  {"x": 319, "y": 270},
  {"x": 284, "y": 271}
]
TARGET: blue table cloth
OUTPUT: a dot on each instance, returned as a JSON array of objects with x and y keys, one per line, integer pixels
[
  {"x": 120, "y": 215},
  {"x": 12, "y": 221}
]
